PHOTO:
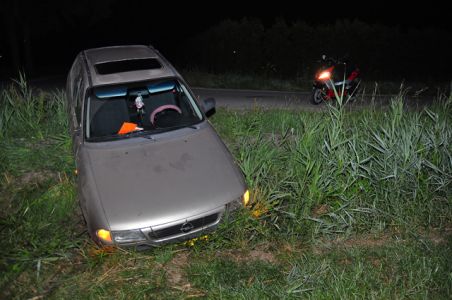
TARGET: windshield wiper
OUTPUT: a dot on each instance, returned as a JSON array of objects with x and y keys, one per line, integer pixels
[
  {"x": 165, "y": 129},
  {"x": 119, "y": 136},
  {"x": 150, "y": 135},
  {"x": 142, "y": 133}
]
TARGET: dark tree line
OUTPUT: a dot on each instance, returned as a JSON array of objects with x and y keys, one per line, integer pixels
[
  {"x": 287, "y": 50},
  {"x": 42, "y": 38},
  {"x": 26, "y": 26}
]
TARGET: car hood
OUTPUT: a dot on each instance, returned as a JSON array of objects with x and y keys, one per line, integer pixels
[{"x": 148, "y": 182}]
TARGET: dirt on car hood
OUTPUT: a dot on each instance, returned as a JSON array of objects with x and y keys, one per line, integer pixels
[{"x": 153, "y": 182}]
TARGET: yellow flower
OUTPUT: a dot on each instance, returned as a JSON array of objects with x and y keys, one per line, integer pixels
[
  {"x": 259, "y": 209},
  {"x": 193, "y": 241}
]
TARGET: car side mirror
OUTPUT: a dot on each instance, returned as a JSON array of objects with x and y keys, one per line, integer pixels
[{"x": 209, "y": 106}]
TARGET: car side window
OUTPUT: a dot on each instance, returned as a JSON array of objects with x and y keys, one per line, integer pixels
[
  {"x": 75, "y": 84},
  {"x": 78, "y": 95},
  {"x": 76, "y": 89},
  {"x": 73, "y": 75}
]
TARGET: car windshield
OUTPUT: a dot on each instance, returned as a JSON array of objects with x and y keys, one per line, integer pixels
[{"x": 123, "y": 111}]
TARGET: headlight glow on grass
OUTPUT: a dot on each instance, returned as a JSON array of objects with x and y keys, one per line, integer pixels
[
  {"x": 246, "y": 197},
  {"x": 104, "y": 235}
]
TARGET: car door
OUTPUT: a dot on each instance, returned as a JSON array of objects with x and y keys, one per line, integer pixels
[
  {"x": 77, "y": 91},
  {"x": 70, "y": 93},
  {"x": 76, "y": 104}
]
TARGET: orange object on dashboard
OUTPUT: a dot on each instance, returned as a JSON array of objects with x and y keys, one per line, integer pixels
[{"x": 127, "y": 127}]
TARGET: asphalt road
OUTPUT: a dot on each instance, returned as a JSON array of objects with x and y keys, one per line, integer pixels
[{"x": 249, "y": 99}]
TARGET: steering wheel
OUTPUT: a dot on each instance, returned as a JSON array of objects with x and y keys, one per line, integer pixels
[{"x": 162, "y": 108}]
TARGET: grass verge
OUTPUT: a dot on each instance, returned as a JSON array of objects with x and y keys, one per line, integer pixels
[{"x": 343, "y": 204}]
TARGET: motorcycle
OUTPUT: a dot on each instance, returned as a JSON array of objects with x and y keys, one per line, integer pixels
[{"x": 325, "y": 87}]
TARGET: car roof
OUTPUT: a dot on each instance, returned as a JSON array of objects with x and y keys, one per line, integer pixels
[{"x": 113, "y": 54}]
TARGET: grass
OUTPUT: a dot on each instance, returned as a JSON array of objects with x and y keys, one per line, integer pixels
[
  {"x": 390, "y": 271},
  {"x": 344, "y": 204}
]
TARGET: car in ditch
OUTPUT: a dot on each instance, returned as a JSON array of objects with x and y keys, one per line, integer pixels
[{"x": 150, "y": 167}]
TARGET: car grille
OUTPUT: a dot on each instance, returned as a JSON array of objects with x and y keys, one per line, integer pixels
[{"x": 176, "y": 229}]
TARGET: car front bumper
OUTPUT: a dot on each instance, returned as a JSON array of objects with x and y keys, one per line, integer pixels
[{"x": 179, "y": 230}]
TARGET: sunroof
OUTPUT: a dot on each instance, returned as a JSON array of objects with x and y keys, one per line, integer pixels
[{"x": 119, "y": 66}]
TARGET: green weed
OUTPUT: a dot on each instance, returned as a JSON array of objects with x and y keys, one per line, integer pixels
[{"x": 315, "y": 178}]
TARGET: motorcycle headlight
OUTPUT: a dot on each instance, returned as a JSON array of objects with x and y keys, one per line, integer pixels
[
  {"x": 324, "y": 75},
  {"x": 128, "y": 236}
]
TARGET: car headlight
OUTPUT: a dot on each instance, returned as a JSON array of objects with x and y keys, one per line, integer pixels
[
  {"x": 104, "y": 235},
  {"x": 128, "y": 236}
]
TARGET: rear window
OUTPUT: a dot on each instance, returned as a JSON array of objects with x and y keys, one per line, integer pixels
[{"x": 119, "y": 66}]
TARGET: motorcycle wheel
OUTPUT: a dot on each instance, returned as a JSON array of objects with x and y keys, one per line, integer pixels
[{"x": 317, "y": 96}]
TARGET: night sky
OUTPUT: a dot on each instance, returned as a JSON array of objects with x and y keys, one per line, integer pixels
[{"x": 57, "y": 31}]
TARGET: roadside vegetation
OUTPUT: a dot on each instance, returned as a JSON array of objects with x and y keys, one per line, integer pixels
[
  {"x": 344, "y": 204},
  {"x": 248, "y": 81},
  {"x": 291, "y": 49}
]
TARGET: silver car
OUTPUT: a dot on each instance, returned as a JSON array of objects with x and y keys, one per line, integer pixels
[{"x": 151, "y": 169}]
